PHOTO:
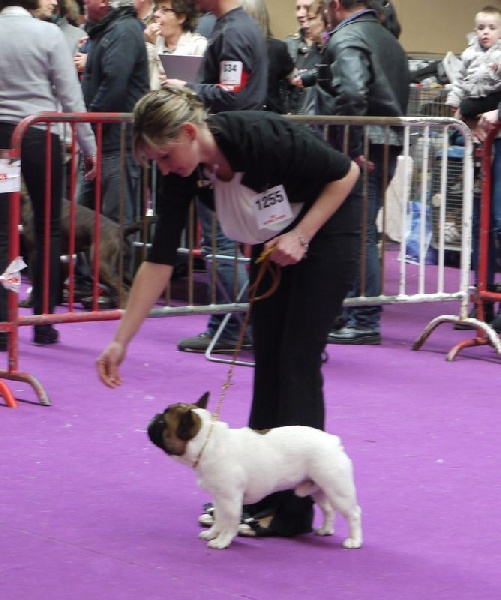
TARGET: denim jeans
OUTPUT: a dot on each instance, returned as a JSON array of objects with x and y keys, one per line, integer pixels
[
  {"x": 369, "y": 317},
  {"x": 225, "y": 272},
  {"x": 494, "y": 243},
  {"x": 111, "y": 184},
  {"x": 111, "y": 171}
]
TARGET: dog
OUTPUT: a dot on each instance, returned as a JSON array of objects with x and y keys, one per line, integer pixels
[
  {"x": 242, "y": 466},
  {"x": 112, "y": 241}
]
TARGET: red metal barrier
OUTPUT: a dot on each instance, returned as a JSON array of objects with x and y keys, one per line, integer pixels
[
  {"x": 14, "y": 319},
  {"x": 485, "y": 335}
]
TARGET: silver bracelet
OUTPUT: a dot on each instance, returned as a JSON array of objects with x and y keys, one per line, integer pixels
[{"x": 303, "y": 242}]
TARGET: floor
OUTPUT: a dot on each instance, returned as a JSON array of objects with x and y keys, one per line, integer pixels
[{"x": 89, "y": 508}]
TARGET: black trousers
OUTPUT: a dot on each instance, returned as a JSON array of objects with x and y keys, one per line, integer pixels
[
  {"x": 290, "y": 332},
  {"x": 473, "y": 107},
  {"x": 33, "y": 168}
]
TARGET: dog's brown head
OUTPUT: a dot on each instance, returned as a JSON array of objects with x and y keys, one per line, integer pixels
[{"x": 176, "y": 426}]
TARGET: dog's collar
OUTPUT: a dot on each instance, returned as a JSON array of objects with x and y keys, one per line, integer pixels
[{"x": 211, "y": 427}]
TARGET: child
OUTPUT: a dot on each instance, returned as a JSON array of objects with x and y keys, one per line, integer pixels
[
  {"x": 476, "y": 90},
  {"x": 477, "y": 87}
]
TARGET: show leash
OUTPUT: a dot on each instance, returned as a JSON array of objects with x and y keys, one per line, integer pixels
[{"x": 265, "y": 265}]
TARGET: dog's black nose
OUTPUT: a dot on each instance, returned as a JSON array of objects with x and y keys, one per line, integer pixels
[{"x": 155, "y": 430}]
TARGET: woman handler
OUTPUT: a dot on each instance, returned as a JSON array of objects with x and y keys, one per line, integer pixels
[{"x": 273, "y": 185}]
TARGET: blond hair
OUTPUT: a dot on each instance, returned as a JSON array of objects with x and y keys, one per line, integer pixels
[
  {"x": 489, "y": 10},
  {"x": 258, "y": 11},
  {"x": 159, "y": 115}
]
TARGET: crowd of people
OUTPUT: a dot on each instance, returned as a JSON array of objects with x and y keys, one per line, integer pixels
[{"x": 221, "y": 140}]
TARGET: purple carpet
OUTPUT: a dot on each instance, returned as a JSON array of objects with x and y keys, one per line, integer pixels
[{"x": 89, "y": 508}]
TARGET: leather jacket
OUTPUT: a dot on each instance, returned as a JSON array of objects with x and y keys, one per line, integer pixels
[{"x": 365, "y": 74}]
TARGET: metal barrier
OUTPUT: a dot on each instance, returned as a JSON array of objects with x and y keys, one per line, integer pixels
[
  {"x": 485, "y": 335},
  {"x": 425, "y": 141}
]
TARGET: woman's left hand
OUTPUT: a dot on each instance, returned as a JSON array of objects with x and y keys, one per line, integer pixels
[{"x": 288, "y": 249}]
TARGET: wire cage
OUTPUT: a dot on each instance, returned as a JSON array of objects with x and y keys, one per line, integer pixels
[
  {"x": 428, "y": 100},
  {"x": 449, "y": 218}
]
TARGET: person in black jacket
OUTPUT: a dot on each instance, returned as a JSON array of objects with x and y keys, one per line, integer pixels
[
  {"x": 365, "y": 74},
  {"x": 306, "y": 78},
  {"x": 262, "y": 167}
]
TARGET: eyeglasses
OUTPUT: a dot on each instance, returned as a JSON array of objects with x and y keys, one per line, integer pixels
[{"x": 164, "y": 9}]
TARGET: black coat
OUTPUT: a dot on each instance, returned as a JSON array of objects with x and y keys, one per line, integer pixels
[{"x": 280, "y": 66}]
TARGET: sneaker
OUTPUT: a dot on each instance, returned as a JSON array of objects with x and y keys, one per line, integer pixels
[
  {"x": 78, "y": 293},
  {"x": 206, "y": 519},
  {"x": 45, "y": 335},
  {"x": 350, "y": 336},
  {"x": 200, "y": 343},
  {"x": 103, "y": 302}
]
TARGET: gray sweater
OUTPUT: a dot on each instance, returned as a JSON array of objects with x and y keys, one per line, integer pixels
[{"x": 37, "y": 73}]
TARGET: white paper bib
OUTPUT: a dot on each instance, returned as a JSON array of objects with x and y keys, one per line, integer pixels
[{"x": 252, "y": 218}]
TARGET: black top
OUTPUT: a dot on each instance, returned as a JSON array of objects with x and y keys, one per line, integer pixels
[
  {"x": 270, "y": 151},
  {"x": 280, "y": 65}
]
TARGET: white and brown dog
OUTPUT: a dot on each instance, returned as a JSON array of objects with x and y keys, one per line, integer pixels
[{"x": 242, "y": 466}]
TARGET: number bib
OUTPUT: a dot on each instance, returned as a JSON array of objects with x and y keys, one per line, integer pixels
[
  {"x": 231, "y": 75},
  {"x": 272, "y": 207}
]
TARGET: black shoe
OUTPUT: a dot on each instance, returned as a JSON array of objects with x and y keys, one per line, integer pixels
[
  {"x": 45, "y": 335},
  {"x": 496, "y": 323},
  {"x": 350, "y": 336},
  {"x": 200, "y": 343},
  {"x": 265, "y": 525},
  {"x": 488, "y": 317}
]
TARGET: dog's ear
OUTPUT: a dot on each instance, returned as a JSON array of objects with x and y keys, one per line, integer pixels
[
  {"x": 203, "y": 401},
  {"x": 188, "y": 427}
]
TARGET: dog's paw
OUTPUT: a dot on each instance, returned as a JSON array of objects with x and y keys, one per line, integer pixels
[
  {"x": 352, "y": 543},
  {"x": 324, "y": 530},
  {"x": 221, "y": 542},
  {"x": 207, "y": 535}
]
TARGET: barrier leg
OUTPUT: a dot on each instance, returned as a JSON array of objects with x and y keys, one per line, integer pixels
[
  {"x": 26, "y": 378},
  {"x": 7, "y": 395}
]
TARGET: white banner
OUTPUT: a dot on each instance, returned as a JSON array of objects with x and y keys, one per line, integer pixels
[{"x": 10, "y": 176}]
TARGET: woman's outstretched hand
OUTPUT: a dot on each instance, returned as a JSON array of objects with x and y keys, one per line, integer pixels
[{"x": 108, "y": 362}]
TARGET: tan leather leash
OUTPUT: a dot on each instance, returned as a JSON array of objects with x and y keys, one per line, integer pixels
[{"x": 274, "y": 269}]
